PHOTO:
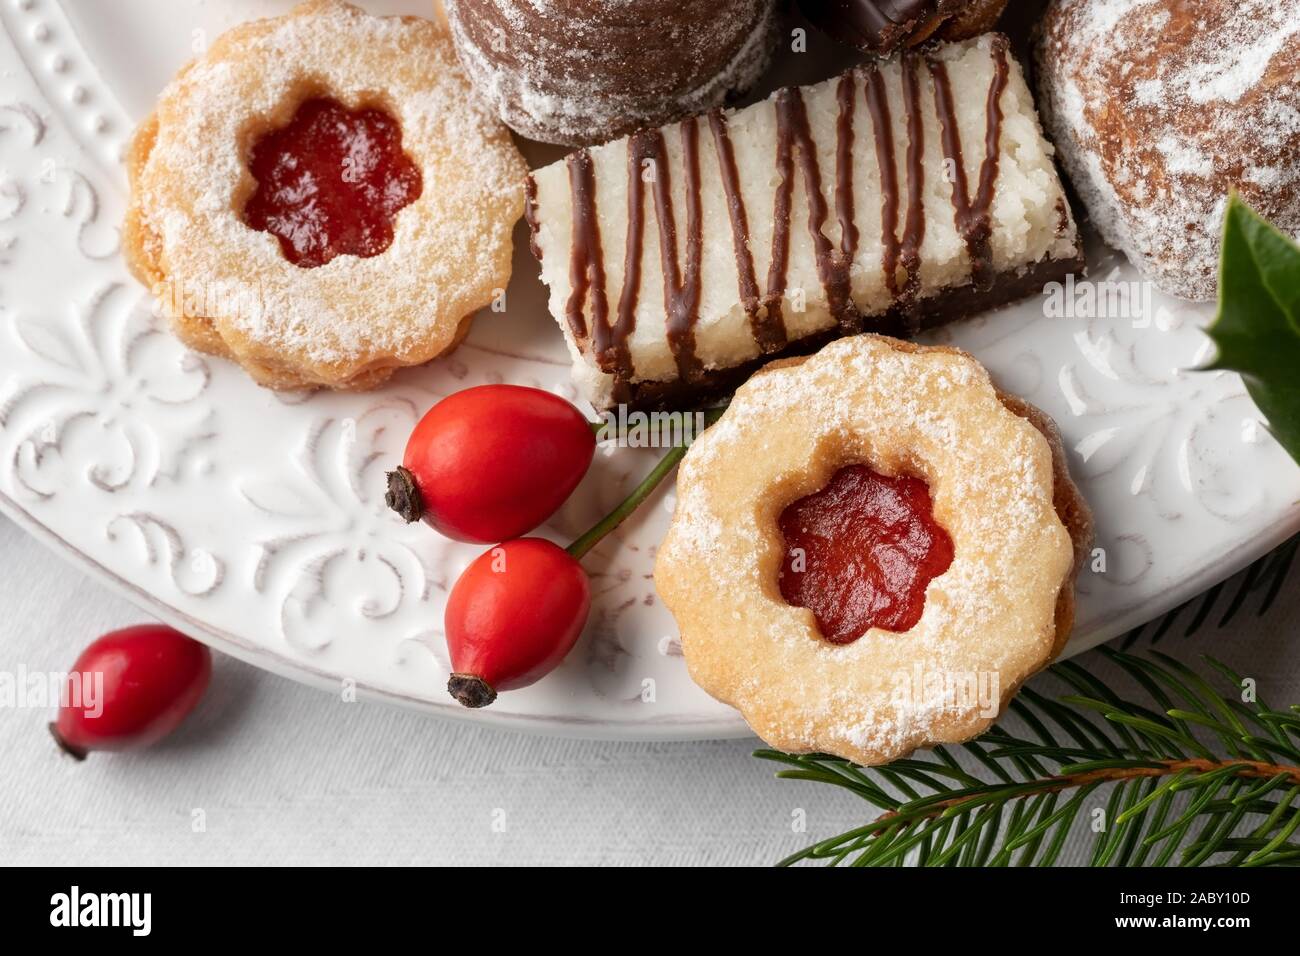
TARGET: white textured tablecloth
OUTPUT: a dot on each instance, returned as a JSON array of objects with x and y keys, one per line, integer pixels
[{"x": 290, "y": 775}]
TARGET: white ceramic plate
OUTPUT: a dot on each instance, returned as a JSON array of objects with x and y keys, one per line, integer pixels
[{"x": 255, "y": 521}]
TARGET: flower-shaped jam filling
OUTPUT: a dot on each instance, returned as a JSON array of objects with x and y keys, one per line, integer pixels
[
  {"x": 860, "y": 553},
  {"x": 330, "y": 183}
]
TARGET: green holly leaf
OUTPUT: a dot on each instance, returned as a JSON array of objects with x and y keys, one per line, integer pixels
[{"x": 1257, "y": 329}]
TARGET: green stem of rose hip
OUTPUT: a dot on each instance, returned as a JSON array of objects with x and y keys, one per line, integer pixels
[
  {"x": 639, "y": 494},
  {"x": 628, "y": 505}
]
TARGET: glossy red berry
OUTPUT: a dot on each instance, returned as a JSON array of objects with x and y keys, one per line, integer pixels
[
  {"x": 492, "y": 462},
  {"x": 140, "y": 683},
  {"x": 512, "y": 617}
]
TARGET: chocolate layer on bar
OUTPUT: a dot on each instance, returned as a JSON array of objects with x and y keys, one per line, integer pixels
[
  {"x": 895, "y": 197},
  {"x": 948, "y": 306}
]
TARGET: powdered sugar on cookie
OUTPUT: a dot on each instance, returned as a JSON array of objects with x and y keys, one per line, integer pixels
[
  {"x": 350, "y": 321},
  {"x": 992, "y": 616}
]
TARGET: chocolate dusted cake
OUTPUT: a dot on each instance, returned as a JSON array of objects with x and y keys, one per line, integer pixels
[
  {"x": 586, "y": 71},
  {"x": 883, "y": 26},
  {"x": 898, "y": 196}
]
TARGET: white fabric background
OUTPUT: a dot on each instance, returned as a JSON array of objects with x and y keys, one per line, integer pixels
[{"x": 287, "y": 774}]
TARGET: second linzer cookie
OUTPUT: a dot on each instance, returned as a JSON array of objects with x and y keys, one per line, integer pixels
[
  {"x": 679, "y": 259},
  {"x": 872, "y": 550}
]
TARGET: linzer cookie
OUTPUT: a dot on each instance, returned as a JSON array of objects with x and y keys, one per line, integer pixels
[
  {"x": 895, "y": 197},
  {"x": 872, "y": 550},
  {"x": 320, "y": 198},
  {"x": 882, "y": 26}
]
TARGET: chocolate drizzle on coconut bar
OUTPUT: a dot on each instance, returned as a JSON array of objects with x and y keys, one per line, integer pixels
[
  {"x": 973, "y": 220},
  {"x": 608, "y": 338}
]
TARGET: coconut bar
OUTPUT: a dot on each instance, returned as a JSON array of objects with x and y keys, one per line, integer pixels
[{"x": 896, "y": 197}]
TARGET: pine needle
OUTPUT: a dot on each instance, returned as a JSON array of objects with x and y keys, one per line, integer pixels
[{"x": 1164, "y": 793}]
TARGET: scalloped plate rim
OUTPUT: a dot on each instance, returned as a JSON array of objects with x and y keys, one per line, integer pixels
[
  {"x": 1124, "y": 619},
  {"x": 1134, "y": 603}
]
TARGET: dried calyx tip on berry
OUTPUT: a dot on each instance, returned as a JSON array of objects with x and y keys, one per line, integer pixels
[
  {"x": 471, "y": 691},
  {"x": 77, "y": 753},
  {"x": 403, "y": 496}
]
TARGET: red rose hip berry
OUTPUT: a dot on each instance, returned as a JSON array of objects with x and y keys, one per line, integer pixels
[
  {"x": 142, "y": 682},
  {"x": 491, "y": 462},
  {"x": 512, "y": 616}
]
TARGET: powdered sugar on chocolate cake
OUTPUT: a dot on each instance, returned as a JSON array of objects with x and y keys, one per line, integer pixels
[
  {"x": 1160, "y": 107},
  {"x": 587, "y": 72}
]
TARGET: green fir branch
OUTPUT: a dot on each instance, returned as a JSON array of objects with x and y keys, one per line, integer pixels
[{"x": 1189, "y": 777}]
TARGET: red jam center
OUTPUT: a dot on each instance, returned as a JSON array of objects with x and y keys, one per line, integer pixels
[
  {"x": 330, "y": 183},
  {"x": 860, "y": 553}
]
